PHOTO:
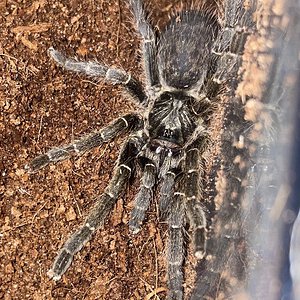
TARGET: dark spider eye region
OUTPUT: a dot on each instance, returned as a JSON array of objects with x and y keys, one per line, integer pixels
[{"x": 171, "y": 135}]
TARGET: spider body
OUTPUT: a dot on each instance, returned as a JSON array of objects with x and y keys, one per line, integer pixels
[{"x": 184, "y": 72}]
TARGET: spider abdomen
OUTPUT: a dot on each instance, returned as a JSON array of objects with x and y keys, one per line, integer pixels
[{"x": 184, "y": 49}]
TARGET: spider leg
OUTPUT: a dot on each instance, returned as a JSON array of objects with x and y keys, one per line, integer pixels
[
  {"x": 194, "y": 209},
  {"x": 148, "y": 41},
  {"x": 237, "y": 26},
  {"x": 143, "y": 198},
  {"x": 168, "y": 181},
  {"x": 229, "y": 45},
  {"x": 175, "y": 252},
  {"x": 104, "y": 205},
  {"x": 86, "y": 143},
  {"x": 95, "y": 69}
]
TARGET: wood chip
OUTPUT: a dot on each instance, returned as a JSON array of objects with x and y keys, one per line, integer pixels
[{"x": 34, "y": 28}]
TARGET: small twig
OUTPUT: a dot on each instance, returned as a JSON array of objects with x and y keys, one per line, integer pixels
[
  {"x": 72, "y": 133},
  {"x": 40, "y": 129},
  {"x": 103, "y": 152},
  {"x": 155, "y": 292},
  {"x": 156, "y": 268},
  {"x": 89, "y": 81},
  {"x": 119, "y": 26},
  {"x": 23, "y": 191},
  {"x": 76, "y": 203},
  {"x": 38, "y": 211},
  {"x": 110, "y": 280},
  {"x": 144, "y": 245},
  {"x": 8, "y": 56}
]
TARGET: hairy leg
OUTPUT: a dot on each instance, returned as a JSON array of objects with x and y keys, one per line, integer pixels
[
  {"x": 143, "y": 198},
  {"x": 97, "y": 70},
  {"x": 194, "y": 208},
  {"x": 229, "y": 45},
  {"x": 148, "y": 41},
  {"x": 86, "y": 143},
  {"x": 166, "y": 191},
  {"x": 95, "y": 219},
  {"x": 175, "y": 248}
]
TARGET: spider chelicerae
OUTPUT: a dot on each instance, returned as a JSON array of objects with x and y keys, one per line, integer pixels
[{"x": 185, "y": 65}]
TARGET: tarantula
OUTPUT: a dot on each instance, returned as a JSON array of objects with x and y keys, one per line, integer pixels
[{"x": 185, "y": 65}]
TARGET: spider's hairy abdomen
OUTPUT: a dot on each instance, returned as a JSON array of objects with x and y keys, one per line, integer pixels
[{"x": 185, "y": 49}]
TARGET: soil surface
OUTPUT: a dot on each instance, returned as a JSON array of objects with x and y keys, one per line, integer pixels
[{"x": 42, "y": 106}]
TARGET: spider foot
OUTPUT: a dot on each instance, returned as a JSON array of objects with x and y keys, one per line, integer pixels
[
  {"x": 57, "y": 56},
  {"x": 134, "y": 228},
  {"x": 200, "y": 242},
  {"x": 37, "y": 163},
  {"x": 61, "y": 264},
  {"x": 43, "y": 160}
]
